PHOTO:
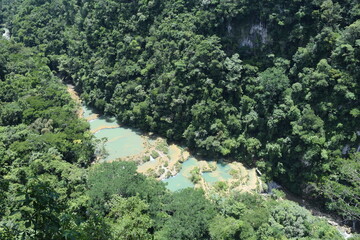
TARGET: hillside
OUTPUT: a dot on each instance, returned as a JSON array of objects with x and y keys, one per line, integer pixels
[{"x": 271, "y": 84}]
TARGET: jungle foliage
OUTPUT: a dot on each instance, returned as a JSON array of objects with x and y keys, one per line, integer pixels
[{"x": 273, "y": 84}]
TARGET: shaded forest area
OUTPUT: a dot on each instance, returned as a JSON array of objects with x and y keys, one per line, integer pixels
[{"x": 273, "y": 84}]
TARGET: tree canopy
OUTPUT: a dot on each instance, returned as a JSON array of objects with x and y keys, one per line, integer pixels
[{"x": 273, "y": 84}]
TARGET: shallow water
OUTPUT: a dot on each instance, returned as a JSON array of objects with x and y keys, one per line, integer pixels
[
  {"x": 87, "y": 111},
  {"x": 123, "y": 142},
  {"x": 220, "y": 174},
  {"x": 181, "y": 180},
  {"x": 103, "y": 123}
]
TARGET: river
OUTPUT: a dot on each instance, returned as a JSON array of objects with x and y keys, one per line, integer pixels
[
  {"x": 170, "y": 163},
  {"x": 173, "y": 164}
]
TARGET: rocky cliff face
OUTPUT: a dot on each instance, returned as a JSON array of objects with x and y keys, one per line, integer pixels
[
  {"x": 254, "y": 35},
  {"x": 250, "y": 35},
  {"x": 6, "y": 33}
]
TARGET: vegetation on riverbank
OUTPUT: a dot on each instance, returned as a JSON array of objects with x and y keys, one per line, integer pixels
[
  {"x": 49, "y": 190},
  {"x": 159, "y": 160},
  {"x": 270, "y": 83},
  {"x": 44, "y": 149},
  {"x": 273, "y": 84}
]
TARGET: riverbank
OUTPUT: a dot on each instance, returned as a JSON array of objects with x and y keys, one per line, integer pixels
[
  {"x": 162, "y": 166},
  {"x": 156, "y": 158},
  {"x": 75, "y": 96},
  {"x": 335, "y": 221},
  {"x": 169, "y": 163}
]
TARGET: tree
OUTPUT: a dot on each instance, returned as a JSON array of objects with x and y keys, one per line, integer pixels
[
  {"x": 128, "y": 218},
  {"x": 179, "y": 224},
  {"x": 225, "y": 228}
]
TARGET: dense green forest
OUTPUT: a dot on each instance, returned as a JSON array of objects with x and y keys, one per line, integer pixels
[
  {"x": 273, "y": 84},
  {"x": 50, "y": 191}
]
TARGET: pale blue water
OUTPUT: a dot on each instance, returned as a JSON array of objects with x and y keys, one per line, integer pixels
[
  {"x": 87, "y": 111},
  {"x": 102, "y": 122},
  {"x": 220, "y": 174},
  {"x": 181, "y": 180},
  {"x": 123, "y": 142},
  {"x": 151, "y": 141}
]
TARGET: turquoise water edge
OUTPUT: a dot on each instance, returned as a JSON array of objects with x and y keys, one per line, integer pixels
[{"x": 123, "y": 142}]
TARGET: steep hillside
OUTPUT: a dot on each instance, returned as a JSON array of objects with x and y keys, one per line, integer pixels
[{"x": 274, "y": 84}]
